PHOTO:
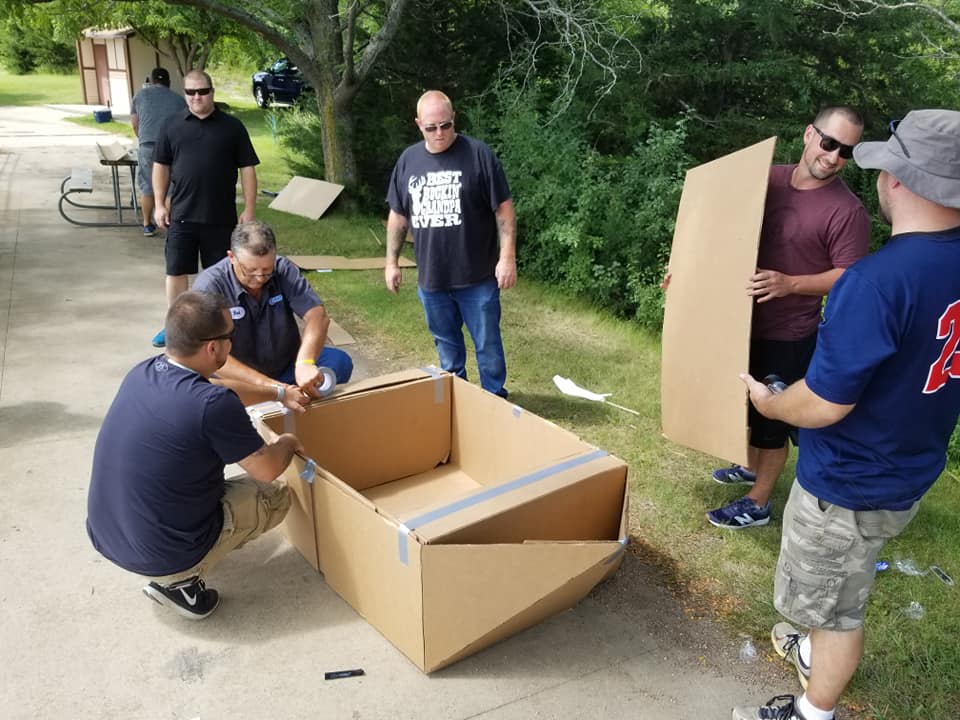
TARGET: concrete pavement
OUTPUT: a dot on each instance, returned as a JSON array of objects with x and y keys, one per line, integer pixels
[{"x": 79, "y": 640}]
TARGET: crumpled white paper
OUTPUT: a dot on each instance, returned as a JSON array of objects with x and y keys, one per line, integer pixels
[{"x": 569, "y": 387}]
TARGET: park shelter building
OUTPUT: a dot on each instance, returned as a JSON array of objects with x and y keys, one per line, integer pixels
[{"x": 114, "y": 63}]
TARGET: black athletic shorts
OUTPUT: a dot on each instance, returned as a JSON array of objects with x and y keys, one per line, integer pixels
[
  {"x": 788, "y": 359},
  {"x": 186, "y": 240}
]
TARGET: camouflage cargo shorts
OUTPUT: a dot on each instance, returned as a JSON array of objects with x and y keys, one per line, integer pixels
[{"x": 828, "y": 558}]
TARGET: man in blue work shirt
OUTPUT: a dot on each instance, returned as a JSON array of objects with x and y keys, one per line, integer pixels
[{"x": 265, "y": 294}]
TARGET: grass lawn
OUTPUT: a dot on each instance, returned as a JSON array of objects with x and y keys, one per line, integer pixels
[
  {"x": 910, "y": 666},
  {"x": 114, "y": 126},
  {"x": 39, "y": 89}
]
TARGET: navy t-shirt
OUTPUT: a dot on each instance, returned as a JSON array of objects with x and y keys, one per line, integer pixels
[
  {"x": 154, "y": 501},
  {"x": 265, "y": 332},
  {"x": 449, "y": 200},
  {"x": 889, "y": 344},
  {"x": 204, "y": 156}
]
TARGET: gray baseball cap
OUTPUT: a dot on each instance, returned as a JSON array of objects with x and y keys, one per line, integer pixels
[{"x": 923, "y": 152}]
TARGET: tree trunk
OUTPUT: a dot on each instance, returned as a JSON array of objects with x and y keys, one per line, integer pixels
[{"x": 336, "y": 133}]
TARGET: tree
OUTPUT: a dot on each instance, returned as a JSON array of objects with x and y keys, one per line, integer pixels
[
  {"x": 337, "y": 45},
  {"x": 28, "y": 41}
]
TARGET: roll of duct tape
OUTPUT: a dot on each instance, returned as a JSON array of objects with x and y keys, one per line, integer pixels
[{"x": 329, "y": 382}]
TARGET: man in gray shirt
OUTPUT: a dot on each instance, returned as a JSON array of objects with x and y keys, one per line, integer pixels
[{"x": 151, "y": 106}]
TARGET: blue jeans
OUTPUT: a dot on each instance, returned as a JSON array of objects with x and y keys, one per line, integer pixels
[
  {"x": 331, "y": 357},
  {"x": 477, "y": 307}
]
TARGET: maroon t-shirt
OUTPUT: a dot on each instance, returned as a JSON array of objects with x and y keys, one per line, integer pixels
[{"x": 805, "y": 232}]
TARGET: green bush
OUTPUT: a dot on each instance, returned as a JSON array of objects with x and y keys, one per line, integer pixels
[{"x": 599, "y": 226}]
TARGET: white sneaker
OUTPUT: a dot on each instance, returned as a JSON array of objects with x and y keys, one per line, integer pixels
[{"x": 786, "y": 641}]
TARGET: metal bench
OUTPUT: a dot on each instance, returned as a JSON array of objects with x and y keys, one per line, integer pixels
[{"x": 80, "y": 180}]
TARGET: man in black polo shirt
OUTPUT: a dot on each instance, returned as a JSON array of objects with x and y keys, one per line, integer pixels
[
  {"x": 195, "y": 160},
  {"x": 266, "y": 293}
]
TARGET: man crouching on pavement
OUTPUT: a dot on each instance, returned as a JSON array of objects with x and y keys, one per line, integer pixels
[{"x": 158, "y": 503}]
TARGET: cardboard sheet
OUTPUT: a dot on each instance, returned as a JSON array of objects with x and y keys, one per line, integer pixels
[
  {"x": 338, "y": 262},
  {"x": 114, "y": 152},
  {"x": 706, "y": 327},
  {"x": 306, "y": 197},
  {"x": 338, "y": 336}
]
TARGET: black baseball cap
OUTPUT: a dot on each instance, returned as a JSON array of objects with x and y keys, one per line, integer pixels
[{"x": 160, "y": 75}]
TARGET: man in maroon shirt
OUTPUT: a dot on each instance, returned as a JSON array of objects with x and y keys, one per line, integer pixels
[{"x": 813, "y": 228}]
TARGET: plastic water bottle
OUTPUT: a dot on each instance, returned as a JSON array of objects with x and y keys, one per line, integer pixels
[{"x": 748, "y": 651}]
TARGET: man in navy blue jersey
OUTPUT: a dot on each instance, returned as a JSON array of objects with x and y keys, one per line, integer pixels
[{"x": 876, "y": 409}]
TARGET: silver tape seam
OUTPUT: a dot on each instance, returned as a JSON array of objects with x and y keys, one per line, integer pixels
[
  {"x": 309, "y": 471},
  {"x": 408, "y": 526},
  {"x": 437, "y": 385},
  {"x": 618, "y": 552},
  {"x": 289, "y": 421}
]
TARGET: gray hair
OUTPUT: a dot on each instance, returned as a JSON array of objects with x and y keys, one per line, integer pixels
[{"x": 254, "y": 237}]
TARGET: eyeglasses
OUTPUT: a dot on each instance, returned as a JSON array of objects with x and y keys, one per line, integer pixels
[
  {"x": 225, "y": 336},
  {"x": 893, "y": 131},
  {"x": 441, "y": 126},
  {"x": 829, "y": 144},
  {"x": 255, "y": 275},
  {"x": 198, "y": 91}
]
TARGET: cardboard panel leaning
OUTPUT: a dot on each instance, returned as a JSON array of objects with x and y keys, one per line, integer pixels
[
  {"x": 706, "y": 325},
  {"x": 447, "y": 517}
]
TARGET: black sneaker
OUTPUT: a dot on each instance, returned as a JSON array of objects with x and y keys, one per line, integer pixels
[
  {"x": 190, "y": 598},
  {"x": 782, "y": 707}
]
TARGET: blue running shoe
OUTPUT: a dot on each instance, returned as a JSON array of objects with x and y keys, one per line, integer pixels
[
  {"x": 149, "y": 230},
  {"x": 739, "y": 514},
  {"x": 734, "y": 475},
  {"x": 160, "y": 339}
]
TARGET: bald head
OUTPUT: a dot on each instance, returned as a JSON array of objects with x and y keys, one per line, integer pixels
[
  {"x": 434, "y": 100},
  {"x": 435, "y": 118}
]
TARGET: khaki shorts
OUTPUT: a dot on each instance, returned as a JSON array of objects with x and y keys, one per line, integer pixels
[
  {"x": 250, "y": 508},
  {"x": 828, "y": 558}
]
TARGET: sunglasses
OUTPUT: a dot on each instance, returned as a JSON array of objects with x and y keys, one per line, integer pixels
[
  {"x": 441, "y": 126},
  {"x": 893, "y": 131},
  {"x": 198, "y": 91},
  {"x": 829, "y": 144},
  {"x": 225, "y": 336}
]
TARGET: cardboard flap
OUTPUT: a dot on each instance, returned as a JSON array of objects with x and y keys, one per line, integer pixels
[
  {"x": 270, "y": 412},
  {"x": 298, "y": 525},
  {"x": 113, "y": 152},
  {"x": 373, "y": 437},
  {"x": 306, "y": 197},
  {"x": 706, "y": 326},
  {"x": 472, "y": 592}
]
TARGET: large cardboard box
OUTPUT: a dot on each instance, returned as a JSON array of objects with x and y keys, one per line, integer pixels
[{"x": 447, "y": 517}]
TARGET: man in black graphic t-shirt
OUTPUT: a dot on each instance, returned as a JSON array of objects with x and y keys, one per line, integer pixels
[{"x": 451, "y": 191}]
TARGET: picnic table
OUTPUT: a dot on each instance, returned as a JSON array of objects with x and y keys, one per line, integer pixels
[{"x": 80, "y": 180}]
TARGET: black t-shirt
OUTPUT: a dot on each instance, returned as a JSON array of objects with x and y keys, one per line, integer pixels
[
  {"x": 449, "y": 200},
  {"x": 204, "y": 156},
  {"x": 154, "y": 501}
]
